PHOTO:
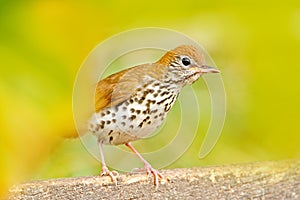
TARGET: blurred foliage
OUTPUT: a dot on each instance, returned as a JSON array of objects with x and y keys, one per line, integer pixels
[{"x": 43, "y": 43}]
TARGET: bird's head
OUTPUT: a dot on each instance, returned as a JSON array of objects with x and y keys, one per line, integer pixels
[{"x": 187, "y": 63}]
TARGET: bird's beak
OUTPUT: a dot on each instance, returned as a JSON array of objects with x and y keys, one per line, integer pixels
[{"x": 208, "y": 69}]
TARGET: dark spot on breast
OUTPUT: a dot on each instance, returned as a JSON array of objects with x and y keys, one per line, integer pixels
[
  {"x": 149, "y": 101},
  {"x": 150, "y": 91},
  {"x": 113, "y": 120},
  {"x": 138, "y": 89},
  {"x": 124, "y": 116},
  {"x": 131, "y": 126},
  {"x": 124, "y": 108},
  {"x": 164, "y": 93},
  {"x": 153, "y": 111},
  {"x": 149, "y": 122},
  {"x": 132, "y": 117},
  {"x": 138, "y": 111},
  {"x": 156, "y": 84},
  {"x": 141, "y": 100},
  {"x": 173, "y": 99},
  {"x": 113, "y": 114},
  {"x": 111, "y": 138},
  {"x": 102, "y": 114},
  {"x": 123, "y": 123},
  {"x": 148, "y": 104},
  {"x": 141, "y": 124},
  {"x": 110, "y": 132},
  {"x": 132, "y": 110},
  {"x": 155, "y": 95},
  {"x": 131, "y": 101},
  {"x": 146, "y": 111},
  {"x": 163, "y": 100},
  {"x": 155, "y": 117},
  {"x": 147, "y": 118},
  {"x": 108, "y": 112},
  {"x": 167, "y": 107},
  {"x": 108, "y": 122},
  {"x": 126, "y": 103}
]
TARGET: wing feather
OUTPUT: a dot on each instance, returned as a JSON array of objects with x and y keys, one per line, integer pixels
[{"x": 118, "y": 87}]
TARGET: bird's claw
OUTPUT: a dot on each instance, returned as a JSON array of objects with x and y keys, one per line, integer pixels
[
  {"x": 156, "y": 174},
  {"x": 112, "y": 174},
  {"x": 150, "y": 170}
]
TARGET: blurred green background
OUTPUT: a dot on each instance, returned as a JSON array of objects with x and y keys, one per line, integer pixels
[{"x": 43, "y": 43}]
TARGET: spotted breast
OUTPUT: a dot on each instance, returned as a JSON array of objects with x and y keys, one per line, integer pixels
[{"x": 136, "y": 117}]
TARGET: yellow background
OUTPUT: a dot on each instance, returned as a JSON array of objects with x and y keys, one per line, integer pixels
[{"x": 43, "y": 43}]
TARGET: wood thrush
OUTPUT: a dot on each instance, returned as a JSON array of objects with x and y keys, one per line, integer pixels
[{"x": 131, "y": 104}]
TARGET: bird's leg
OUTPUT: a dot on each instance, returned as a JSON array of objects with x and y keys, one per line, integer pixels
[
  {"x": 148, "y": 167},
  {"x": 105, "y": 170}
]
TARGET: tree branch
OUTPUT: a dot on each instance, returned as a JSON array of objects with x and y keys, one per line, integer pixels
[{"x": 262, "y": 180}]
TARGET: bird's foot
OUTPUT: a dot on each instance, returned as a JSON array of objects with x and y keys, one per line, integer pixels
[
  {"x": 150, "y": 170},
  {"x": 112, "y": 174},
  {"x": 156, "y": 174}
]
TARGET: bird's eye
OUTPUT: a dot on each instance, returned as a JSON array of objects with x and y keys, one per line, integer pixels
[{"x": 186, "y": 61}]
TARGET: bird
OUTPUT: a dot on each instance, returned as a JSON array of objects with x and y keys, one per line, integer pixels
[{"x": 133, "y": 103}]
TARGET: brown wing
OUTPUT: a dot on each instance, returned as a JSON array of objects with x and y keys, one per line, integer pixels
[{"x": 119, "y": 87}]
